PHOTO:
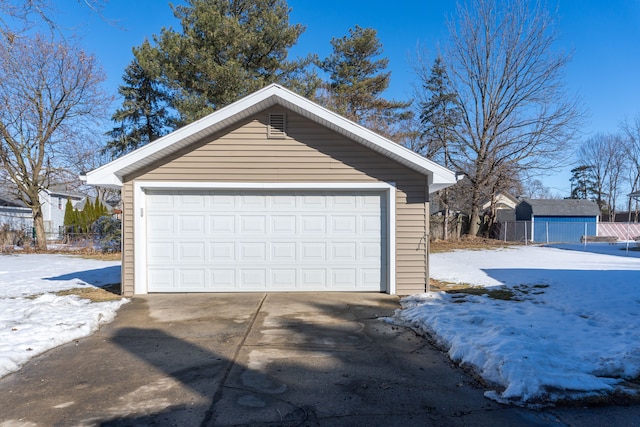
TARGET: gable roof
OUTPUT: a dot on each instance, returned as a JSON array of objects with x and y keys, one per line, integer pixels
[
  {"x": 59, "y": 191},
  {"x": 112, "y": 174},
  {"x": 13, "y": 203},
  {"x": 562, "y": 207},
  {"x": 504, "y": 200}
]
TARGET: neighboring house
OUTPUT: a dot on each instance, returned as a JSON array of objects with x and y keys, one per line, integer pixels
[
  {"x": 503, "y": 201},
  {"x": 274, "y": 193},
  {"x": 505, "y": 207},
  {"x": 81, "y": 204},
  {"x": 15, "y": 215},
  {"x": 54, "y": 203},
  {"x": 559, "y": 220}
]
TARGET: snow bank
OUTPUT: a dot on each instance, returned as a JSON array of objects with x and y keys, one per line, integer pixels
[
  {"x": 574, "y": 332},
  {"x": 33, "y": 319}
]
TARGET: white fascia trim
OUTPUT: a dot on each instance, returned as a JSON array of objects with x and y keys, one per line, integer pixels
[
  {"x": 140, "y": 229},
  {"x": 275, "y": 94}
]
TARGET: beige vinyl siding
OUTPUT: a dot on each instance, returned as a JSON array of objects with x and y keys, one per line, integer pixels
[
  {"x": 309, "y": 153},
  {"x": 128, "y": 271}
]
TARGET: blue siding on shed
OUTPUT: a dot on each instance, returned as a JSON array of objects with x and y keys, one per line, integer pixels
[{"x": 566, "y": 229}]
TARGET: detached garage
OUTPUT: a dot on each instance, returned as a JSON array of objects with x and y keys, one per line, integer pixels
[{"x": 274, "y": 193}]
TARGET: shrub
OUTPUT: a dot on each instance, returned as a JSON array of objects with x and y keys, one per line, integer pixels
[{"x": 109, "y": 233}]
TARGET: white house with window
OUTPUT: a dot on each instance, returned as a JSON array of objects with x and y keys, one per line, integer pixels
[
  {"x": 15, "y": 215},
  {"x": 53, "y": 204}
]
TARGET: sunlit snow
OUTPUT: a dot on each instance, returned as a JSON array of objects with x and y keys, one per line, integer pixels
[
  {"x": 572, "y": 330},
  {"x": 33, "y": 319}
]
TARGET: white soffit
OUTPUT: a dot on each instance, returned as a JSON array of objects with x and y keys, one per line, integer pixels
[{"x": 112, "y": 174}]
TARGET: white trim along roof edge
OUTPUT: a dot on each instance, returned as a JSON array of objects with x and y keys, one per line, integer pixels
[{"x": 112, "y": 174}]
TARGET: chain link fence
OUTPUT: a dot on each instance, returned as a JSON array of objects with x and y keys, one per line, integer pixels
[{"x": 564, "y": 232}]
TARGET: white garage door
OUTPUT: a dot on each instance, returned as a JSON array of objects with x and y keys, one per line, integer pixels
[{"x": 266, "y": 241}]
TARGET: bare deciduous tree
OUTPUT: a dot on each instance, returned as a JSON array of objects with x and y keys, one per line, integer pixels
[
  {"x": 606, "y": 160},
  {"x": 49, "y": 91},
  {"x": 509, "y": 83},
  {"x": 631, "y": 148}
]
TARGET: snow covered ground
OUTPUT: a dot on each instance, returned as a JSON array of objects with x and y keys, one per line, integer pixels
[
  {"x": 33, "y": 319},
  {"x": 573, "y": 332}
]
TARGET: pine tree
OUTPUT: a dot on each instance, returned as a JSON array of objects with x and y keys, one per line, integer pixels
[
  {"x": 69, "y": 217},
  {"x": 357, "y": 80},
  {"x": 439, "y": 113},
  {"x": 583, "y": 184},
  {"x": 225, "y": 50},
  {"x": 143, "y": 116}
]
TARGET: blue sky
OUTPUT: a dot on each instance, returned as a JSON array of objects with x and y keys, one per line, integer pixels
[{"x": 603, "y": 36}]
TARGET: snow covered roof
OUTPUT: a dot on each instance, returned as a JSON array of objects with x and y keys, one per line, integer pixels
[{"x": 112, "y": 174}]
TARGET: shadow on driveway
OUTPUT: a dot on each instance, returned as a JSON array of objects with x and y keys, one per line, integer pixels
[{"x": 305, "y": 359}]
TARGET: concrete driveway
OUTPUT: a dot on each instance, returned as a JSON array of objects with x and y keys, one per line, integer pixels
[{"x": 259, "y": 359}]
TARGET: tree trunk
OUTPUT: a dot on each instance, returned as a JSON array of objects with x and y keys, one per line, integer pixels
[
  {"x": 38, "y": 223},
  {"x": 474, "y": 220},
  {"x": 474, "y": 225}
]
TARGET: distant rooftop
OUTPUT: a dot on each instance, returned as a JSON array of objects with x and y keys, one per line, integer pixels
[{"x": 563, "y": 207}]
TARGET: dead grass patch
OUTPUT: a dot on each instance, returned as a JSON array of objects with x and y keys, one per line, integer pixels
[
  {"x": 469, "y": 243},
  {"x": 515, "y": 293},
  {"x": 86, "y": 253},
  {"x": 102, "y": 256},
  {"x": 504, "y": 294},
  {"x": 108, "y": 293}
]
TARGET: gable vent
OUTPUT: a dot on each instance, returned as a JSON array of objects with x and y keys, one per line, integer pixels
[{"x": 277, "y": 126}]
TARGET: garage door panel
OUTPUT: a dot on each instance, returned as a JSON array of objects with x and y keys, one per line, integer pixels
[
  {"x": 252, "y": 202},
  {"x": 343, "y": 224},
  {"x": 253, "y": 225},
  {"x": 313, "y": 202},
  {"x": 283, "y": 279},
  {"x": 370, "y": 225},
  {"x": 192, "y": 202},
  {"x": 222, "y": 202},
  {"x": 313, "y": 252},
  {"x": 191, "y": 252},
  {"x": 192, "y": 278},
  {"x": 370, "y": 277},
  {"x": 371, "y": 251},
  {"x": 161, "y": 252},
  {"x": 343, "y": 202},
  {"x": 283, "y": 202},
  {"x": 283, "y": 224},
  {"x": 218, "y": 241},
  {"x": 283, "y": 252},
  {"x": 222, "y": 278},
  {"x": 223, "y": 224},
  {"x": 313, "y": 224},
  {"x": 222, "y": 251},
  {"x": 253, "y": 252},
  {"x": 161, "y": 224},
  {"x": 344, "y": 252},
  {"x": 161, "y": 201},
  {"x": 161, "y": 279},
  {"x": 343, "y": 277},
  {"x": 313, "y": 278},
  {"x": 253, "y": 278},
  {"x": 191, "y": 224}
]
